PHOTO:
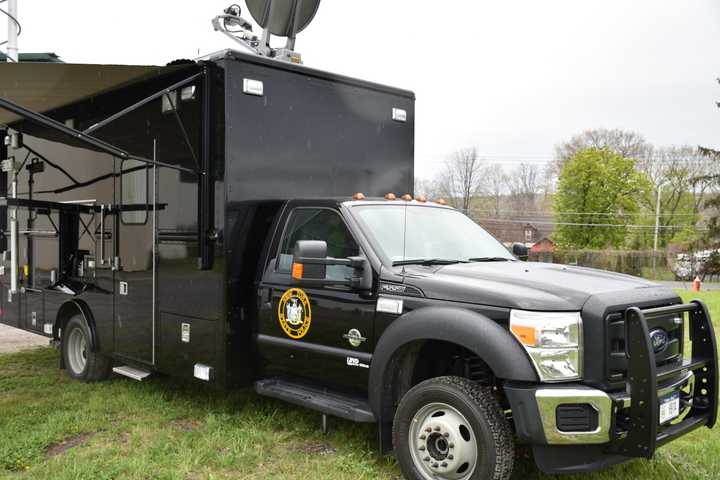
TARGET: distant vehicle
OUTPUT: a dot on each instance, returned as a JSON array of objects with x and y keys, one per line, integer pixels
[
  {"x": 684, "y": 267},
  {"x": 202, "y": 220},
  {"x": 688, "y": 265}
]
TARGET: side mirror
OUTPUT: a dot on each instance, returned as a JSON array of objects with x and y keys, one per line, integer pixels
[
  {"x": 305, "y": 254},
  {"x": 520, "y": 251},
  {"x": 310, "y": 262}
]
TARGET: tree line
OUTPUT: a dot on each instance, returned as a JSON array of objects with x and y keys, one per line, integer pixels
[{"x": 602, "y": 189}]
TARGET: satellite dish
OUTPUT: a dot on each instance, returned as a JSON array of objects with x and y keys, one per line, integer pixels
[{"x": 284, "y": 18}]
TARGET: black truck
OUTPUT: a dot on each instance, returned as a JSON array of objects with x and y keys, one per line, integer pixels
[{"x": 246, "y": 222}]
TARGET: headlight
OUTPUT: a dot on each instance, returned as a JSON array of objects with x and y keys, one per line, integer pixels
[{"x": 553, "y": 340}]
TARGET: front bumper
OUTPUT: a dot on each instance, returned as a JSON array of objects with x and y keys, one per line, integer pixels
[{"x": 625, "y": 424}]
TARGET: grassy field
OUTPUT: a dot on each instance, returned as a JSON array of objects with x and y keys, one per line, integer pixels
[{"x": 51, "y": 427}]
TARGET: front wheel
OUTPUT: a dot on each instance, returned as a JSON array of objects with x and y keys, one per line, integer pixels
[
  {"x": 80, "y": 362},
  {"x": 451, "y": 428}
]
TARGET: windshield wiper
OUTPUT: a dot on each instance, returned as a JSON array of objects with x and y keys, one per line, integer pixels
[
  {"x": 490, "y": 259},
  {"x": 427, "y": 261}
]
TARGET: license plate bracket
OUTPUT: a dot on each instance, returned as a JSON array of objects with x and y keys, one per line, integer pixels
[{"x": 669, "y": 407}]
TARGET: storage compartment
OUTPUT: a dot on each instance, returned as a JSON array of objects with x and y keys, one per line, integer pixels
[
  {"x": 186, "y": 341},
  {"x": 34, "y": 310}
]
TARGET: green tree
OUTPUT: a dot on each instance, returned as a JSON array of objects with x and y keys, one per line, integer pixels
[
  {"x": 713, "y": 233},
  {"x": 600, "y": 190}
]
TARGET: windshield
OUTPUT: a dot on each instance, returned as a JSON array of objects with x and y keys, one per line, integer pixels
[{"x": 433, "y": 234}]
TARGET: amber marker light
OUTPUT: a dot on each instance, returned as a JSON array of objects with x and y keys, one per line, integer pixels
[
  {"x": 526, "y": 335},
  {"x": 390, "y": 196},
  {"x": 421, "y": 198},
  {"x": 407, "y": 197},
  {"x": 297, "y": 271},
  {"x": 441, "y": 201},
  {"x": 359, "y": 196}
]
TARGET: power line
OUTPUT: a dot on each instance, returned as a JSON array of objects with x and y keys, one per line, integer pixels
[
  {"x": 573, "y": 224},
  {"x": 546, "y": 158},
  {"x": 588, "y": 214}
]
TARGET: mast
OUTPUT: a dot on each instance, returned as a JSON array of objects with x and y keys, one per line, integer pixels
[{"x": 13, "y": 31}]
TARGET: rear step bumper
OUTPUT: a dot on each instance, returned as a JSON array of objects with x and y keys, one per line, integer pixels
[
  {"x": 130, "y": 372},
  {"x": 314, "y": 398}
]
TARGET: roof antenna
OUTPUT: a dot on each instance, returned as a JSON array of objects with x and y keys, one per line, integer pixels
[
  {"x": 13, "y": 30},
  {"x": 404, "y": 237},
  {"x": 283, "y": 18}
]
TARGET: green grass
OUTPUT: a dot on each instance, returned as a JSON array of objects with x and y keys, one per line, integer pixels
[{"x": 169, "y": 430}]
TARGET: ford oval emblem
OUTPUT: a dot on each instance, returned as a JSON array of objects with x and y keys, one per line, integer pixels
[{"x": 659, "y": 340}]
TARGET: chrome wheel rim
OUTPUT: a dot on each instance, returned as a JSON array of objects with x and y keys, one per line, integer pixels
[
  {"x": 77, "y": 351},
  {"x": 442, "y": 443}
]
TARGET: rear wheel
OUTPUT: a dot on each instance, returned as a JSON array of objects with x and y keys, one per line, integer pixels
[
  {"x": 80, "y": 362},
  {"x": 450, "y": 428}
]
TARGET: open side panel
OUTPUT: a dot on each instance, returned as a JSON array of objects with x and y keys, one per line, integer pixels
[
  {"x": 64, "y": 245},
  {"x": 141, "y": 133}
]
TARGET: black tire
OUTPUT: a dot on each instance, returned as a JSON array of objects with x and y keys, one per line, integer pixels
[
  {"x": 489, "y": 431},
  {"x": 95, "y": 367}
]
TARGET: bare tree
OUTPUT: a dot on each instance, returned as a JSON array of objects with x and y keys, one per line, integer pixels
[
  {"x": 681, "y": 170},
  {"x": 712, "y": 203},
  {"x": 496, "y": 182},
  {"x": 626, "y": 143},
  {"x": 430, "y": 188},
  {"x": 462, "y": 178},
  {"x": 547, "y": 181},
  {"x": 524, "y": 187},
  {"x": 703, "y": 180},
  {"x": 683, "y": 175}
]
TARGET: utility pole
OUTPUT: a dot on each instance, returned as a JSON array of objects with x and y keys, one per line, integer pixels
[
  {"x": 13, "y": 30},
  {"x": 3, "y": 193},
  {"x": 657, "y": 228}
]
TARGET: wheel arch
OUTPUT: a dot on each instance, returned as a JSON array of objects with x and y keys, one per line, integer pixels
[
  {"x": 68, "y": 310},
  {"x": 471, "y": 330}
]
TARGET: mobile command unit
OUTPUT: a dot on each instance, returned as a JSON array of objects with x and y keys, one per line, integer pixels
[{"x": 246, "y": 221}]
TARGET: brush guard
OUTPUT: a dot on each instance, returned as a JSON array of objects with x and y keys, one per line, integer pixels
[{"x": 645, "y": 434}]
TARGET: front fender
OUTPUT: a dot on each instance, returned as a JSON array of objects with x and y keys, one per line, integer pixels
[{"x": 471, "y": 330}]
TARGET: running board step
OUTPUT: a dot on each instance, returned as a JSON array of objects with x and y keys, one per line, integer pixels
[
  {"x": 338, "y": 405},
  {"x": 131, "y": 372}
]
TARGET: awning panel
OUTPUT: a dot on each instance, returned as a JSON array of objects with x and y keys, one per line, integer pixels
[{"x": 45, "y": 87}]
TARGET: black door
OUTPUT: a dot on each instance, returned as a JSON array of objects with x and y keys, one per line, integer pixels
[
  {"x": 319, "y": 333},
  {"x": 135, "y": 291}
]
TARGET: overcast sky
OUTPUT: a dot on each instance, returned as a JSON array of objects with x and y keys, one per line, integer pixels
[{"x": 513, "y": 78}]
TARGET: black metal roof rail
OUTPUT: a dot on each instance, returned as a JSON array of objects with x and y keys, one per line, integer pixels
[
  {"x": 45, "y": 121},
  {"x": 141, "y": 103}
]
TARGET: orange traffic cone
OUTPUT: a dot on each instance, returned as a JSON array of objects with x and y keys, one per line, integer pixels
[{"x": 696, "y": 284}]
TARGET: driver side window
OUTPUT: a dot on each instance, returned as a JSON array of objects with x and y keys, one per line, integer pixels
[{"x": 318, "y": 224}]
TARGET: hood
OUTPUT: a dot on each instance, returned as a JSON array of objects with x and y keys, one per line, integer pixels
[{"x": 522, "y": 285}]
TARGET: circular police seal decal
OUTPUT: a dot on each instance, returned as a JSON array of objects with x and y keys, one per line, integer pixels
[{"x": 294, "y": 313}]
